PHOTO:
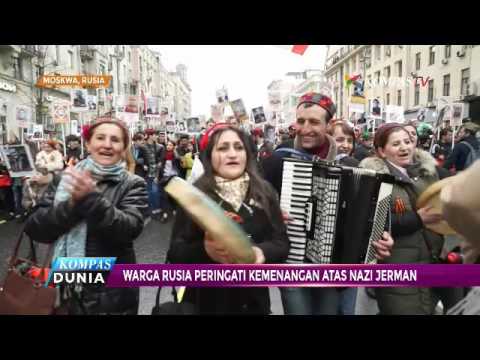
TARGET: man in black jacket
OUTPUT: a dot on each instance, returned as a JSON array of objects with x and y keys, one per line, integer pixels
[
  {"x": 365, "y": 148},
  {"x": 311, "y": 137},
  {"x": 139, "y": 155},
  {"x": 314, "y": 111},
  {"x": 74, "y": 152},
  {"x": 443, "y": 149},
  {"x": 461, "y": 151},
  {"x": 153, "y": 160}
]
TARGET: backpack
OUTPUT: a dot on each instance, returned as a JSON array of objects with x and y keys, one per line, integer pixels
[{"x": 472, "y": 155}]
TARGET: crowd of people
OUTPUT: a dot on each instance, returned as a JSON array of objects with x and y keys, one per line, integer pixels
[
  {"x": 98, "y": 205},
  {"x": 18, "y": 195}
]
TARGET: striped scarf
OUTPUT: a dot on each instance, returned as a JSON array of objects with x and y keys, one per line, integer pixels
[{"x": 73, "y": 243}]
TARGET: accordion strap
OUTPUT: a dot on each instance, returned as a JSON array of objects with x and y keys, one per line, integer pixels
[{"x": 296, "y": 153}]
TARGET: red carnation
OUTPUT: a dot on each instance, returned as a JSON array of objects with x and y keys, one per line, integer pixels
[{"x": 86, "y": 131}]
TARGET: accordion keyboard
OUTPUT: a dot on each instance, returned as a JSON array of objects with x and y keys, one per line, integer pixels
[{"x": 296, "y": 190}]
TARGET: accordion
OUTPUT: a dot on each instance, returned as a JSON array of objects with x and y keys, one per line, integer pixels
[{"x": 336, "y": 211}]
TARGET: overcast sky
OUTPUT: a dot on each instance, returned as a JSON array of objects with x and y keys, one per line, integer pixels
[{"x": 245, "y": 70}]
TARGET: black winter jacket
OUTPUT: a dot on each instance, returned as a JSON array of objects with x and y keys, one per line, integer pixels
[
  {"x": 187, "y": 246},
  {"x": 115, "y": 217},
  {"x": 460, "y": 153},
  {"x": 361, "y": 152}
]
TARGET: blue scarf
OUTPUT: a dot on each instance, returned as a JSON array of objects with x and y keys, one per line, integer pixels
[{"x": 73, "y": 243}]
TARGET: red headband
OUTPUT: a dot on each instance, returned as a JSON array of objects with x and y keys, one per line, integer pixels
[
  {"x": 318, "y": 99},
  {"x": 206, "y": 137}
]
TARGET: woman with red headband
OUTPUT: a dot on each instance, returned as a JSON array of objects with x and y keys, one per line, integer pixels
[
  {"x": 231, "y": 179},
  {"x": 414, "y": 171},
  {"x": 96, "y": 209}
]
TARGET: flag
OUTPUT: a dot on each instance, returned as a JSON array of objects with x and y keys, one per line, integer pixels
[{"x": 297, "y": 49}]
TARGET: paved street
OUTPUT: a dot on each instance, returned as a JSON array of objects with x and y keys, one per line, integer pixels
[{"x": 151, "y": 247}]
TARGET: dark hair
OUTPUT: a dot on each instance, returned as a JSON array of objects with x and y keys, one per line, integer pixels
[
  {"x": 183, "y": 137},
  {"x": 71, "y": 138},
  {"x": 309, "y": 105},
  {"x": 259, "y": 190},
  {"x": 121, "y": 126},
  {"x": 445, "y": 131},
  {"x": 384, "y": 132},
  {"x": 346, "y": 129},
  {"x": 138, "y": 136}
]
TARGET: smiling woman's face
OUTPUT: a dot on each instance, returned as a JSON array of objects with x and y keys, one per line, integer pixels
[
  {"x": 106, "y": 146},
  {"x": 229, "y": 157}
]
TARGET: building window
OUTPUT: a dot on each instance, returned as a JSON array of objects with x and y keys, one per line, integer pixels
[
  {"x": 133, "y": 90},
  {"x": 446, "y": 85},
  {"x": 465, "y": 80},
  {"x": 57, "y": 54},
  {"x": 430, "y": 91},
  {"x": 17, "y": 68},
  {"x": 388, "y": 50},
  {"x": 37, "y": 72},
  {"x": 417, "y": 61},
  {"x": 377, "y": 52},
  {"x": 387, "y": 72},
  {"x": 448, "y": 51},
  {"x": 3, "y": 130},
  {"x": 125, "y": 89},
  {"x": 388, "y": 99},
  {"x": 431, "y": 60},
  {"x": 377, "y": 76},
  {"x": 399, "y": 68},
  {"x": 417, "y": 95},
  {"x": 71, "y": 59},
  {"x": 399, "y": 97}
]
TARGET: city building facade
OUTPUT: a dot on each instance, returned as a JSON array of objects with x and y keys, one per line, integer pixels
[
  {"x": 136, "y": 70},
  {"x": 416, "y": 78}
]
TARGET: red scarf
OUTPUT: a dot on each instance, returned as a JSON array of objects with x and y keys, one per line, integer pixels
[{"x": 169, "y": 155}]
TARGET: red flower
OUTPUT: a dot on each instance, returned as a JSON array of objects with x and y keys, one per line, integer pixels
[{"x": 86, "y": 131}]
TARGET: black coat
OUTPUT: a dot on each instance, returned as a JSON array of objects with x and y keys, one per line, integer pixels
[
  {"x": 187, "y": 246},
  {"x": 286, "y": 144},
  {"x": 349, "y": 161},
  {"x": 361, "y": 152},
  {"x": 138, "y": 153},
  {"x": 115, "y": 218},
  {"x": 460, "y": 153}
]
